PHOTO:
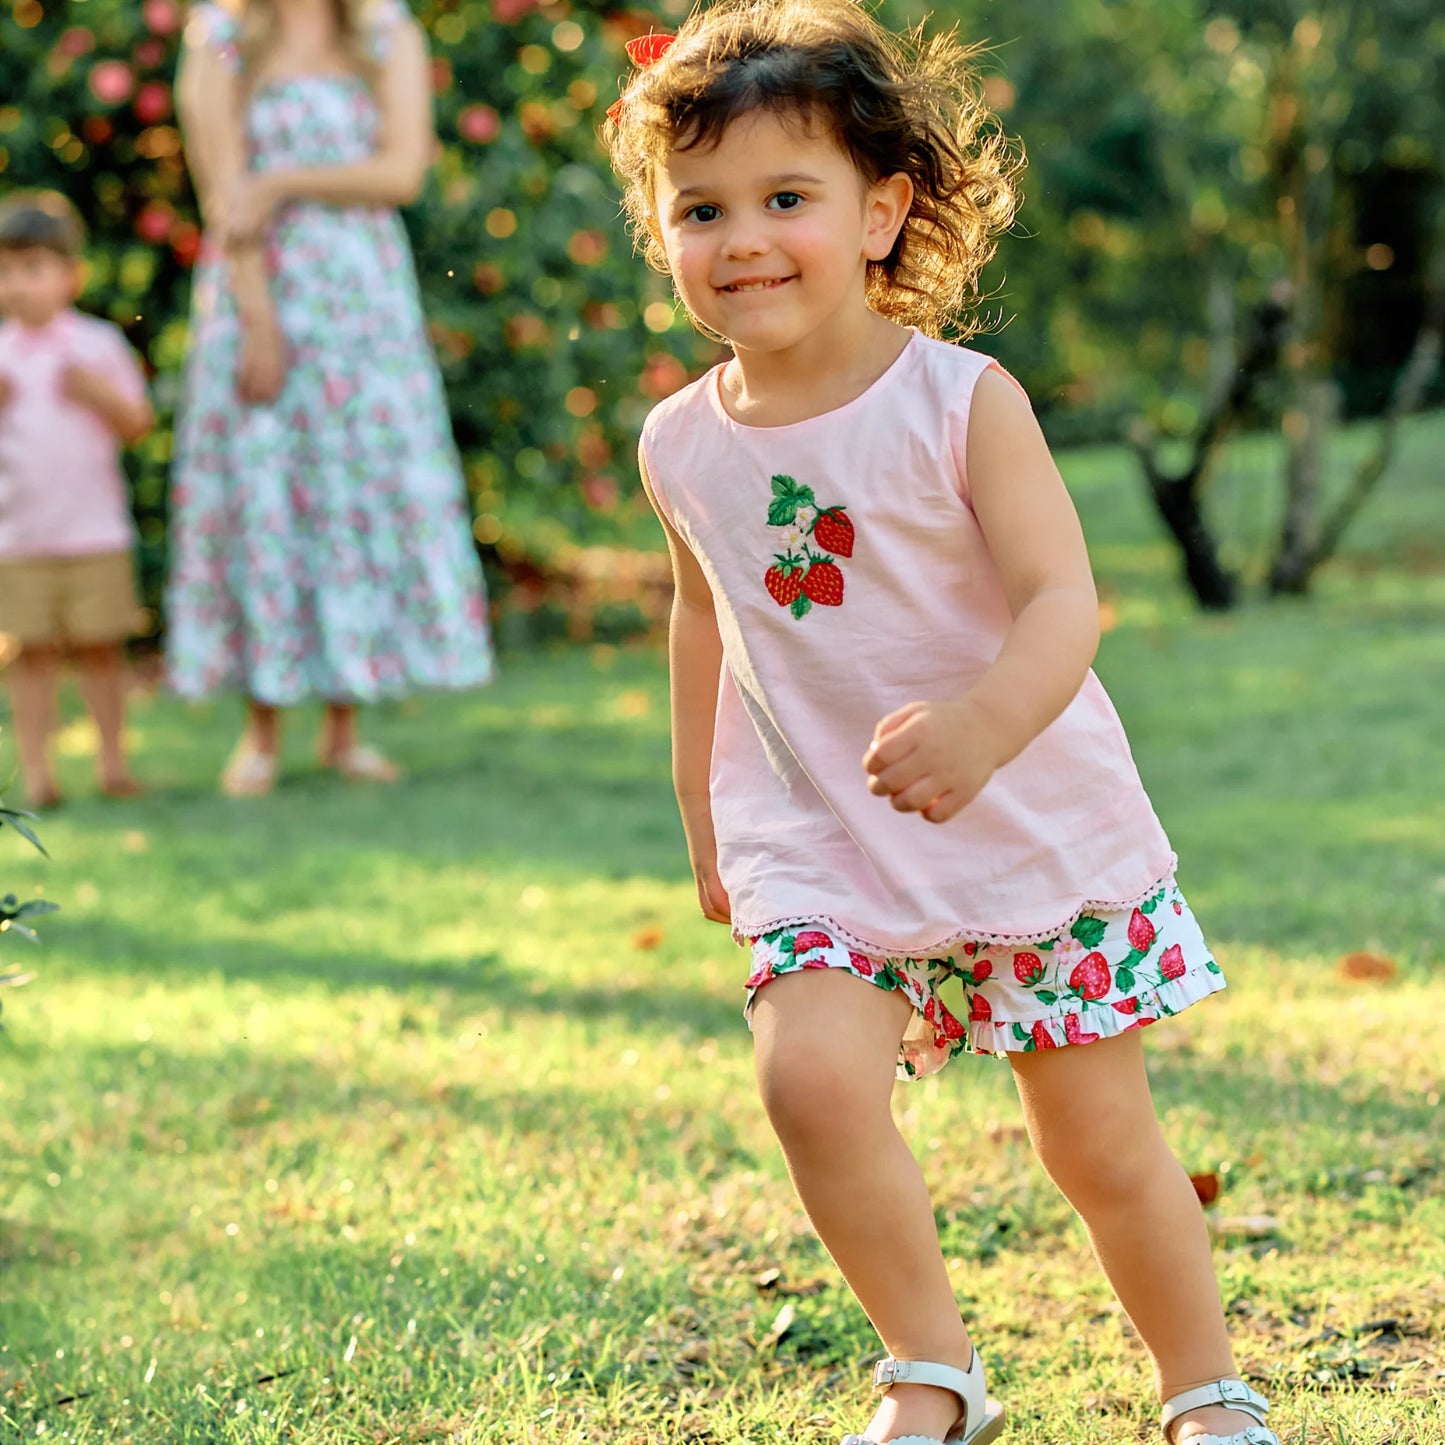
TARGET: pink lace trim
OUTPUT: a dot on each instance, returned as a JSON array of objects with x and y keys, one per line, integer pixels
[{"x": 745, "y": 932}]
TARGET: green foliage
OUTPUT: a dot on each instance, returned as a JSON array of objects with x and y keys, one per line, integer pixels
[{"x": 1163, "y": 143}]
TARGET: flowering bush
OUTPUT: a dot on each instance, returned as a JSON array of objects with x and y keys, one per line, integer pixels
[{"x": 554, "y": 340}]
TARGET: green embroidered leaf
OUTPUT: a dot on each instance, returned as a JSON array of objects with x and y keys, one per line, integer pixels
[
  {"x": 782, "y": 511},
  {"x": 1124, "y": 978},
  {"x": 788, "y": 942},
  {"x": 801, "y": 605},
  {"x": 783, "y": 486},
  {"x": 1150, "y": 904},
  {"x": 1211, "y": 966},
  {"x": 1047, "y": 946},
  {"x": 806, "y": 498},
  {"x": 1046, "y": 996},
  {"x": 1135, "y": 957},
  {"x": 1020, "y": 1032},
  {"x": 1089, "y": 931}
]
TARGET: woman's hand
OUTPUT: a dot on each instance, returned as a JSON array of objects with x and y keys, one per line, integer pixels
[
  {"x": 248, "y": 207},
  {"x": 932, "y": 758},
  {"x": 261, "y": 372}
]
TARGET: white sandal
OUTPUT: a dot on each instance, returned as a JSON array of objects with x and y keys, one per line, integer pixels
[
  {"x": 1234, "y": 1394},
  {"x": 982, "y": 1418},
  {"x": 361, "y": 763}
]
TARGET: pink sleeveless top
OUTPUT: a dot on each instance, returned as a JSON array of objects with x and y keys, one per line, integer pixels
[{"x": 850, "y": 576}]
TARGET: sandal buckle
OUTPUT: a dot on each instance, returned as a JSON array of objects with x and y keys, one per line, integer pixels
[
  {"x": 1234, "y": 1392},
  {"x": 889, "y": 1372}
]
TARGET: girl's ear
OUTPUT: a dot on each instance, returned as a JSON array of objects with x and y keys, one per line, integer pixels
[{"x": 888, "y": 204}]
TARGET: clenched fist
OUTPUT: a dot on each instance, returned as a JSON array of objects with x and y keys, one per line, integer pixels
[{"x": 931, "y": 758}]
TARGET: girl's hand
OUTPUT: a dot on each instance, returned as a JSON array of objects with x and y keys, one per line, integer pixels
[
  {"x": 711, "y": 895},
  {"x": 262, "y": 370},
  {"x": 248, "y": 207},
  {"x": 931, "y": 758}
]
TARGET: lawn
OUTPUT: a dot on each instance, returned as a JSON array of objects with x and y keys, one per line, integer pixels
[{"x": 427, "y": 1114}]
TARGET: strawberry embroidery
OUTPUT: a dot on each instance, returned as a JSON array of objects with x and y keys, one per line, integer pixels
[
  {"x": 1074, "y": 1031},
  {"x": 797, "y": 582},
  {"x": 1028, "y": 968},
  {"x": 823, "y": 583},
  {"x": 833, "y": 532},
  {"x": 982, "y": 1011},
  {"x": 785, "y": 580}
]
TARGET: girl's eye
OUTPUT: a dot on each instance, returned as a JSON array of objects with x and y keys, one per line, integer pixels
[
  {"x": 785, "y": 201},
  {"x": 703, "y": 213}
]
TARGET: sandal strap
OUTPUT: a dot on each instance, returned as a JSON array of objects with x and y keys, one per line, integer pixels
[
  {"x": 1232, "y": 1393},
  {"x": 967, "y": 1384}
]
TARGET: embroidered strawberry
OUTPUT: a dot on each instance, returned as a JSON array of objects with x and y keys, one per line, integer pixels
[
  {"x": 952, "y": 1029},
  {"x": 1171, "y": 965},
  {"x": 1041, "y": 1036},
  {"x": 981, "y": 970},
  {"x": 1028, "y": 968},
  {"x": 1074, "y": 1031},
  {"x": 969, "y": 949},
  {"x": 823, "y": 583},
  {"x": 1091, "y": 978},
  {"x": 982, "y": 1010},
  {"x": 784, "y": 579},
  {"x": 862, "y": 964},
  {"x": 1126, "y": 1006},
  {"x": 1178, "y": 907},
  {"x": 833, "y": 532},
  {"x": 812, "y": 938},
  {"x": 1141, "y": 932}
]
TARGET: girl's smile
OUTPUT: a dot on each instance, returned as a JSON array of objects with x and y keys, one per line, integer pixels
[{"x": 769, "y": 233}]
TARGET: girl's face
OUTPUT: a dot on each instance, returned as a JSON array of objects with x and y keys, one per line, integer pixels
[{"x": 769, "y": 233}]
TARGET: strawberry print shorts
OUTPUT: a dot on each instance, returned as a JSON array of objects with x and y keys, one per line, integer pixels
[{"x": 1111, "y": 970}]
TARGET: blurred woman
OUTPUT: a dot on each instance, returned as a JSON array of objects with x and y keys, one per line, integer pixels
[{"x": 319, "y": 527}]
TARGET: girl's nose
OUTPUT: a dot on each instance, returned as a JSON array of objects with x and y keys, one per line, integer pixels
[{"x": 745, "y": 238}]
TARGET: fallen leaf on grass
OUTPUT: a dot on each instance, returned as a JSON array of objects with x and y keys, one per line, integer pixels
[
  {"x": 1365, "y": 967},
  {"x": 1206, "y": 1186},
  {"x": 647, "y": 937},
  {"x": 777, "y": 1331}
]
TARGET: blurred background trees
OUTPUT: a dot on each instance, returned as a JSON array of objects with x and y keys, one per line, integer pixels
[{"x": 1233, "y": 219}]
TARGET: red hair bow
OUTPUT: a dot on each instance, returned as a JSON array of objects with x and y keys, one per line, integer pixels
[{"x": 643, "y": 50}]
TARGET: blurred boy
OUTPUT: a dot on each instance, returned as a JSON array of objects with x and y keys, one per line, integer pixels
[{"x": 71, "y": 394}]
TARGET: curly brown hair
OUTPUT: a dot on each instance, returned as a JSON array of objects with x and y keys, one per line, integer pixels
[{"x": 895, "y": 102}]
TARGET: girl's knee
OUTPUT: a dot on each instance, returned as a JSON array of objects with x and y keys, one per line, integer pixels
[
  {"x": 812, "y": 1091},
  {"x": 1103, "y": 1167}
]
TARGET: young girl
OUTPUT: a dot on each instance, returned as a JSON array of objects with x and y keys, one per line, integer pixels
[
  {"x": 893, "y": 763},
  {"x": 321, "y": 539}
]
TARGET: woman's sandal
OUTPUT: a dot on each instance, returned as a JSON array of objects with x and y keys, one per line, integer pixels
[
  {"x": 982, "y": 1418},
  {"x": 1234, "y": 1395},
  {"x": 363, "y": 764},
  {"x": 249, "y": 773}
]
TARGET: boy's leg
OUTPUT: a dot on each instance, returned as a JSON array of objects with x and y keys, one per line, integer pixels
[
  {"x": 1092, "y": 1122},
  {"x": 826, "y": 1048},
  {"x": 100, "y": 671},
  {"x": 34, "y": 680}
]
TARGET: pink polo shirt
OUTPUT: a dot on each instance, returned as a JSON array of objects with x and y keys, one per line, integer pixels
[
  {"x": 905, "y": 603},
  {"x": 62, "y": 491}
]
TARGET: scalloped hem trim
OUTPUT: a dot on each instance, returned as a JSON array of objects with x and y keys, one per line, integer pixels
[{"x": 746, "y": 932}]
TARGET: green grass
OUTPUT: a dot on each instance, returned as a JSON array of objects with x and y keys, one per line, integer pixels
[{"x": 422, "y": 1115}]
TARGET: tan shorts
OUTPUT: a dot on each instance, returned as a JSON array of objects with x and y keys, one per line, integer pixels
[{"x": 51, "y": 600}]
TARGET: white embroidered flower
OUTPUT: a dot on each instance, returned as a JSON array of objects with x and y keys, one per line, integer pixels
[
  {"x": 793, "y": 537},
  {"x": 804, "y": 517}
]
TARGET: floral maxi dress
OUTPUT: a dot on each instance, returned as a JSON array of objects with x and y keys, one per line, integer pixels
[{"x": 321, "y": 545}]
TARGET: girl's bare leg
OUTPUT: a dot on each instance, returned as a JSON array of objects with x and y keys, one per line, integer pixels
[
  {"x": 1092, "y": 1122},
  {"x": 34, "y": 683},
  {"x": 826, "y": 1047}
]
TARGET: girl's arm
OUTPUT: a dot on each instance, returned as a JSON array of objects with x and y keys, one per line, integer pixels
[
  {"x": 695, "y": 666},
  {"x": 391, "y": 176},
  {"x": 934, "y": 758}
]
